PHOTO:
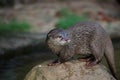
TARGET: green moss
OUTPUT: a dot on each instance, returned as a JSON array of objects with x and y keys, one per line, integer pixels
[
  {"x": 68, "y": 19},
  {"x": 13, "y": 26}
]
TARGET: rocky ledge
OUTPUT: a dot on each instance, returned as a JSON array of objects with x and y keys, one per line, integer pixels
[{"x": 73, "y": 70}]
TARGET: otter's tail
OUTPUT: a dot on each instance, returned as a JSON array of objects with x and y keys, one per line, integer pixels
[{"x": 109, "y": 55}]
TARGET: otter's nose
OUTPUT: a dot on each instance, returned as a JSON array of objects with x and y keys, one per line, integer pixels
[{"x": 66, "y": 39}]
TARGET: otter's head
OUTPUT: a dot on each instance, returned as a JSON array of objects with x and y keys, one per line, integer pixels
[{"x": 58, "y": 37}]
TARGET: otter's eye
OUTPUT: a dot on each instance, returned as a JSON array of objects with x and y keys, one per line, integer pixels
[{"x": 59, "y": 36}]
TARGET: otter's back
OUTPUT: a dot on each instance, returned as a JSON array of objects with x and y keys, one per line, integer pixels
[{"x": 83, "y": 33}]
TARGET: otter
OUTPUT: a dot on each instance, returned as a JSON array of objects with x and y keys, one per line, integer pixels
[{"x": 84, "y": 38}]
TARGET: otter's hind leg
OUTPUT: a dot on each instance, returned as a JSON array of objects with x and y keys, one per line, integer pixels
[{"x": 97, "y": 49}]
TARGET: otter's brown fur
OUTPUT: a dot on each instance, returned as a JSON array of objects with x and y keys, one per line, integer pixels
[{"x": 86, "y": 38}]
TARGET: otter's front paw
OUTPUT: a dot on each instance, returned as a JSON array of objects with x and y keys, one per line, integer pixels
[{"x": 56, "y": 62}]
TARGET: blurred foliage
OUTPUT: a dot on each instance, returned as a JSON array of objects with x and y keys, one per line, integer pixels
[
  {"x": 13, "y": 26},
  {"x": 68, "y": 19}
]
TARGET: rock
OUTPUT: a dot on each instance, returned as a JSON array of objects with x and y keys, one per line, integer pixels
[{"x": 73, "y": 70}]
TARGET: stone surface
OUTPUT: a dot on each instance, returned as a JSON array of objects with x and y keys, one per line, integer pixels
[{"x": 74, "y": 70}]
